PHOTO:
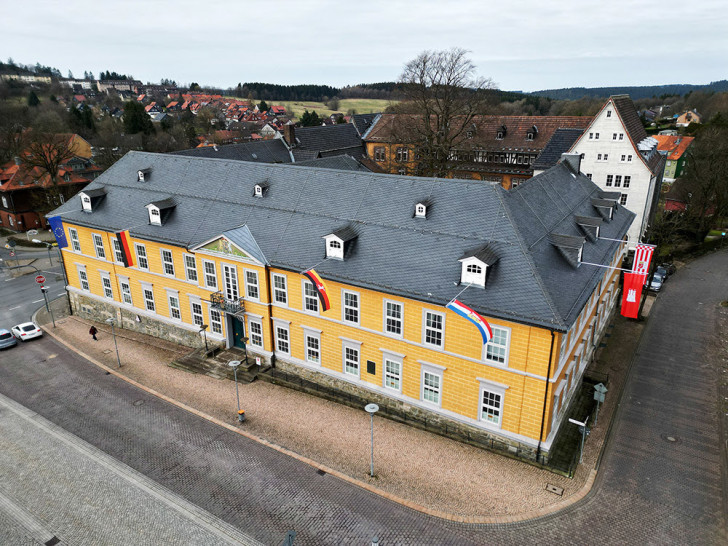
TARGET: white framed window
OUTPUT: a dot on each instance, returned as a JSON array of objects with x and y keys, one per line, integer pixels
[
  {"x": 215, "y": 321},
  {"x": 148, "y": 292},
  {"x": 230, "y": 279},
  {"x": 280, "y": 289},
  {"x": 610, "y": 179},
  {"x": 621, "y": 136},
  {"x": 312, "y": 343},
  {"x": 86, "y": 202},
  {"x": 393, "y": 316},
  {"x": 617, "y": 180},
  {"x": 614, "y": 136},
  {"x": 167, "y": 262},
  {"x": 5, "y": 201},
  {"x": 596, "y": 136},
  {"x": 196, "y": 312},
  {"x": 351, "y": 358},
  {"x": 82, "y": 277},
  {"x": 75, "y": 244},
  {"x": 251, "y": 284},
  {"x": 496, "y": 350},
  {"x": 392, "y": 373},
  {"x": 472, "y": 271},
  {"x": 420, "y": 210},
  {"x": 627, "y": 180},
  {"x": 431, "y": 385},
  {"x": 99, "y": 246},
  {"x": 433, "y": 328},
  {"x": 629, "y": 158},
  {"x": 609, "y": 113},
  {"x": 141, "y": 253},
  {"x": 174, "y": 310},
  {"x": 589, "y": 176},
  {"x": 491, "y": 404},
  {"x": 190, "y": 267},
  {"x": 255, "y": 328},
  {"x": 210, "y": 274},
  {"x": 310, "y": 297},
  {"x": 623, "y": 158},
  {"x": 125, "y": 290},
  {"x": 154, "y": 216},
  {"x": 106, "y": 285},
  {"x": 591, "y": 136},
  {"x": 118, "y": 256},
  {"x": 283, "y": 339},
  {"x": 351, "y": 306},
  {"x": 623, "y": 199}
]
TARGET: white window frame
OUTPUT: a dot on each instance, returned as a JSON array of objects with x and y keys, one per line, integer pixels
[
  {"x": 315, "y": 336},
  {"x": 215, "y": 320},
  {"x": 397, "y": 360},
  {"x": 252, "y": 285},
  {"x": 98, "y": 246},
  {"x": 175, "y": 309},
  {"x": 354, "y": 310},
  {"x": 623, "y": 199},
  {"x": 255, "y": 338},
  {"x": 492, "y": 344},
  {"x": 351, "y": 345},
  {"x": 83, "y": 278},
  {"x": 116, "y": 248},
  {"x": 386, "y": 316},
  {"x": 106, "y": 286},
  {"x": 230, "y": 282},
  {"x": 198, "y": 318},
  {"x": 434, "y": 371},
  {"x": 280, "y": 293},
  {"x": 125, "y": 290},
  {"x": 167, "y": 264},
  {"x": 148, "y": 289},
  {"x": 75, "y": 243},
  {"x": 494, "y": 389},
  {"x": 140, "y": 258},
  {"x": 281, "y": 327},
  {"x": 190, "y": 264},
  {"x": 306, "y": 298},
  {"x": 425, "y": 313},
  {"x": 210, "y": 275}
]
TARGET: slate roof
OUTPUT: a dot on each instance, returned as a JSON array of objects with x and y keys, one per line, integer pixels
[
  {"x": 362, "y": 122},
  {"x": 262, "y": 151},
  {"x": 313, "y": 142},
  {"x": 393, "y": 252},
  {"x": 560, "y": 142},
  {"x": 633, "y": 125},
  {"x": 339, "y": 162}
]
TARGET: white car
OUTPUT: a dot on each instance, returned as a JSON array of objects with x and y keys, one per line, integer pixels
[{"x": 26, "y": 331}]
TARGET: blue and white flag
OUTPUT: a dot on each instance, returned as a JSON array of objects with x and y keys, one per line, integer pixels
[
  {"x": 466, "y": 312},
  {"x": 57, "y": 228}
]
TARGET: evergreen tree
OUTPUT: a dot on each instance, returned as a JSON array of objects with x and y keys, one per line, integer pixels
[
  {"x": 136, "y": 119},
  {"x": 33, "y": 99}
]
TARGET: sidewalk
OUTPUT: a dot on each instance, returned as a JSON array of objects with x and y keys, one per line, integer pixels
[{"x": 437, "y": 474}]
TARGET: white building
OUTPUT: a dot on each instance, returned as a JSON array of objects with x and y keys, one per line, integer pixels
[{"x": 618, "y": 156}]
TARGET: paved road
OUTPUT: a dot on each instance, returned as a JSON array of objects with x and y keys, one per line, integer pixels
[
  {"x": 21, "y": 296},
  {"x": 650, "y": 490}
]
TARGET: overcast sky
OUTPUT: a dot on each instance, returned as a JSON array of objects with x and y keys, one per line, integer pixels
[{"x": 521, "y": 44}]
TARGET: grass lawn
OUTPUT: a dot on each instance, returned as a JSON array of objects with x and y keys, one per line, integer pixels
[{"x": 361, "y": 106}]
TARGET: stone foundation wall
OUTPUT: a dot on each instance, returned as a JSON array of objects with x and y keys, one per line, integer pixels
[
  {"x": 99, "y": 311},
  {"x": 337, "y": 390}
]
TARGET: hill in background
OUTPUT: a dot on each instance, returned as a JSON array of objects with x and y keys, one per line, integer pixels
[{"x": 636, "y": 92}]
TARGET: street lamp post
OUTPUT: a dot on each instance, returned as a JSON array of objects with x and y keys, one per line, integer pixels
[
  {"x": 49, "y": 246},
  {"x": 584, "y": 431},
  {"x": 234, "y": 365},
  {"x": 203, "y": 329},
  {"x": 113, "y": 333},
  {"x": 44, "y": 289},
  {"x": 371, "y": 409}
]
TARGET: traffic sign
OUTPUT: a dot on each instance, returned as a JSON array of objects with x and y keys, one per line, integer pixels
[
  {"x": 40, "y": 279},
  {"x": 32, "y": 232},
  {"x": 12, "y": 254}
]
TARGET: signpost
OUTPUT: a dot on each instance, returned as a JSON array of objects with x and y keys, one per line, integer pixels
[
  {"x": 40, "y": 279},
  {"x": 599, "y": 391}
]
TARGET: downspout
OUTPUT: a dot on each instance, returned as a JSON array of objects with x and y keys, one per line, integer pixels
[
  {"x": 546, "y": 395},
  {"x": 270, "y": 318}
]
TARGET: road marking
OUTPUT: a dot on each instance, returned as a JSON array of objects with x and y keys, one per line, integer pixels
[
  {"x": 59, "y": 295},
  {"x": 14, "y": 308},
  {"x": 36, "y": 301}
]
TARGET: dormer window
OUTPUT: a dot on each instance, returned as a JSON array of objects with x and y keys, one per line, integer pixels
[
  {"x": 475, "y": 264},
  {"x": 420, "y": 211},
  {"x": 531, "y": 133},
  {"x": 339, "y": 241},
  {"x": 90, "y": 199},
  {"x": 469, "y": 134},
  {"x": 86, "y": 203},
  {"x": 258, "y": 190},
  {"x": 500, "y": 135},
  {"x": 154, "y": 216},
  {"x": 160, "y": 211},
  {"x": 143, "y": 175}
]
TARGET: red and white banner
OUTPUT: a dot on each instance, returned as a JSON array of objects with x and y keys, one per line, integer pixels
[
  {"x": 642, "y": 257},
  {"x": 631, "y": 294}
]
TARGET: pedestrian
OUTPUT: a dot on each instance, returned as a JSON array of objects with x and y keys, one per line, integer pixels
[{"x": 93, "y": 331}]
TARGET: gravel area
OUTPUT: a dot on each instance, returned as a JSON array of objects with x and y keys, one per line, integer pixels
[{"x": 423, "y": 468}]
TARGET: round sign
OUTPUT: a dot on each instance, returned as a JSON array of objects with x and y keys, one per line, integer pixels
[
  {"x": 371, "y": 408},
  {"x": 32, "y": 232},
  {"x": 40, "y": 279},
  {"x": 12, "y": 253}
]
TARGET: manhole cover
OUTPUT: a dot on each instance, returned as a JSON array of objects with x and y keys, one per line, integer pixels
[
  {"x": 321, "y": 472},
  {"x": 671, "y": 438},
  {"x": 138, "y": 402},
  {"x": 554, "y": 489},
  {"x": 107, "y": 351}
]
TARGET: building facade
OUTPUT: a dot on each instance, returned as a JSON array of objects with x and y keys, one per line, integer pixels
[
  {"x": 674, "y": 148},
  {"x": 618, "y": 156},
  {"x": 392, "y": 252}
]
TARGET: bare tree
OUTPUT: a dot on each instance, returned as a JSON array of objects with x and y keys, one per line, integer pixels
[
  {"x": 445, "y": 93},
  {"x": 48, "y": 152}
]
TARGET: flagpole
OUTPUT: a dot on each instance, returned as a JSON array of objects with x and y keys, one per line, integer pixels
[
  {"x": 607, "y": 267},
  {"x": 623, "y": 241},
  {"x": 310, "y": 268},
  {"x": 463, "y": 290}
]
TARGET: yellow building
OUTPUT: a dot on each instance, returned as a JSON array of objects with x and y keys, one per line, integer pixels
[{"x": 166, "y": 244}]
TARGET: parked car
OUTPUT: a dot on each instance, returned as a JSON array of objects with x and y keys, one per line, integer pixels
[
  {"x": 26, "y": 331},
  {"x": 655, "y": 284},
  {"x": 670, "y": 269},
  {"x": 7, "y": 339}
]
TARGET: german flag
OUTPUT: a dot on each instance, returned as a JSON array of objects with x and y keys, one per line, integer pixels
[
  {"x": 127, "y": 256},
  {"x": 320, "y": 288}
]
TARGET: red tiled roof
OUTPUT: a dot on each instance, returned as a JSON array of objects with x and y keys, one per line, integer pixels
[
  {"x": 675, "y": 146},
  {"x": 79, "y": 98}
]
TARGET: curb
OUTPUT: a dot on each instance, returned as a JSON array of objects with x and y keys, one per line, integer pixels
[{"x": 550, "y": 510}]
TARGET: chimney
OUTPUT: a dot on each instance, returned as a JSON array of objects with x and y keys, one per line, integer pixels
[
  {"x": 572, "y": 161},
  {"x": 289, "y": 135}
]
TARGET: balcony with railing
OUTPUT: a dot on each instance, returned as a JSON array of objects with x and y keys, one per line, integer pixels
[{"x": 221, "y": 302}]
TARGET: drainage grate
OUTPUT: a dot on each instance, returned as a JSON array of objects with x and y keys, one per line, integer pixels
[
  {"x": 53, "y": 541},
  {"x": 555, "y": 490},
  {"x": 321, "y": 472},
  {"x": 671, "y": 439},
  {"x": 107, "y": 351},
  {"x": 138, "y": 402}
]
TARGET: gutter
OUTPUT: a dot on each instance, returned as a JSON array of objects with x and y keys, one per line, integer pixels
[{"x": 545, "y": 395}]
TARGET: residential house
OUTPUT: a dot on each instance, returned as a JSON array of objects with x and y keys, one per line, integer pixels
[
  {"x": 323, "y": 141},
  {"x": 674, "y": 148},
  {"x": 362, "y": 122},
  {"x": 392, "y": 252},
  {"x": 686, "y": 118},
  {"x": 618, "y": 155},
  {"x": 499, "y": 149}
]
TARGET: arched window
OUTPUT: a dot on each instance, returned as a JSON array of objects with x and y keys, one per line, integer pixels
[
  {"x": 335, "y": 244},
  {"x": 474, "y": 269}
]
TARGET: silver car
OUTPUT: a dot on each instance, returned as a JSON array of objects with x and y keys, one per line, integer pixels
[
  {"x": 7, "y": 339},
  {"x": 26, "y": 331}
]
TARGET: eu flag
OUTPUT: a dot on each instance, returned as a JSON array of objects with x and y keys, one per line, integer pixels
[{"x": 57, "y": 227}]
